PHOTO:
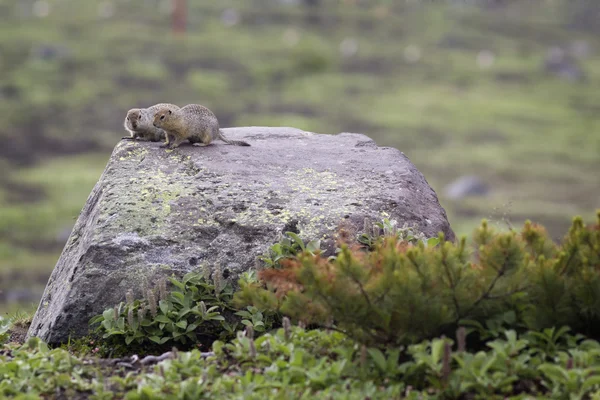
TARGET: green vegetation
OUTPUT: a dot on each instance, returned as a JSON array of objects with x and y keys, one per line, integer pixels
[
  {"x": 196, "y": 304},
  {"x": 414, "y": 83},
  {"x": 401, "y": 293},
  {"x": 296, "y": 363},
  {"x": 372, "y": 236},
  {"x": 392, "y": 315},
  {"x": 385, "y": 322},
  {"x": 5, "y": 325},
  {"x": 288, "y": 247}
]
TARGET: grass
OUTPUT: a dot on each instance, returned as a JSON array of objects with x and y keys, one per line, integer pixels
[{"x": 531, "y": 136}]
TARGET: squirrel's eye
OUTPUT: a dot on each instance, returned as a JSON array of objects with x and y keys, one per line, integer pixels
[
  {"x": 127, "y": 118},
  {"x": 162, "y": 117}
]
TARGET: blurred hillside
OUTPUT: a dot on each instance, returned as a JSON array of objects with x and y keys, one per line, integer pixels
[{"x": 501, "y": 93}]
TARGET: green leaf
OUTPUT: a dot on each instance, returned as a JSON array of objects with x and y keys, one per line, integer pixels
[
  {"x": 378, "y": 358},
  {"x": 178, "y": 297},
  {"x": 432, "y": 242},
  {"x": 164, "y": 306},
  {"x": 187, "y": 277},
  {"x": 162, "y": 318},
  {"x": 176, "y": 283},
  {"x": 296, "y": 358},
  {"x": 393, "y": 359},
  {"x": 313, "y": 245},
  {"x": 297, "y": 239},
  {"x": 488, "y": 364},
  {"x": 182, "y": 324},
  {"x": 97, "y": 319},
  {"x": 109, "y": 314},
  {"x": 561, "y": 332},
  {"x": 555, "y": 373},
  {"x": 437, "y": 350},
  {"x": 244, "y": 314},
  {"x": 183, "y": 312},
  {"x": 155, "y": 339},
  {"x": 590, "y": 382},
  {"x": 146, "y": 322}
]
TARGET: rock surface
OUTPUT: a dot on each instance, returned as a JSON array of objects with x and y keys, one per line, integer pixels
[{"x": 156, "y": 212}]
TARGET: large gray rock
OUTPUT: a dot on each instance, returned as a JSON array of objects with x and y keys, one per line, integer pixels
[{"x": 156, "y": 212}]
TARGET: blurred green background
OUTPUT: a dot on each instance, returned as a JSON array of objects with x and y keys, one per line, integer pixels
[{"x": 496, "y": 102}]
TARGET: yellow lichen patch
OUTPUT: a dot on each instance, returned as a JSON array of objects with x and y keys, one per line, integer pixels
[
  {"x": 206, "y": 222},
  {"x": 133, "y": 150},
  {"x": 151, "y": 192}
]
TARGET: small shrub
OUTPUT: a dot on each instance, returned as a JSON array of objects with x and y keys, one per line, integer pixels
[
  {"x": 171, "y": 317},
  {"x": 373, "y": 235},
  {"x": 289, "y": 246},
  {"x": 402, "y": 292},
  {"x": 15, "y": 326},
  {"x": 193, "y": 307}
]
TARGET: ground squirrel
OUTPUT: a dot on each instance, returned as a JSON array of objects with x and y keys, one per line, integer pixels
[
  {"x": 139, "y": 123},
  {"x": 193, "y": 122}
]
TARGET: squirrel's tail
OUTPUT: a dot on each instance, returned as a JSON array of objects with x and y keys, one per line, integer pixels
[{"x": 233, "y": 142}]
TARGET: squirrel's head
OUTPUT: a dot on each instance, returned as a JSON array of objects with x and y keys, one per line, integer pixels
[
  {"x": 162, "y": 117},
  {"x": 134, "y": 118}
]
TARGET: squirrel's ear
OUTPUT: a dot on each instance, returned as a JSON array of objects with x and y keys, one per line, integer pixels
[{"x": 170, "y": 112}]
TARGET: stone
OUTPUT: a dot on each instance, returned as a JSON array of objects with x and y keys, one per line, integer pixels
[
  {"x": 563, "y": 65},
  {"x": 157, "y": 213},
  {"x": 466, "y": 186}
]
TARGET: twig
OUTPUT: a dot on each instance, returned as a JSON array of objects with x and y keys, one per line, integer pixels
[
  {"x": 486, "y": 295},
  {"x": 135, "y": 361},
  {"x": 507, "y": 294},
  {"x": 168, "y": 355},
  {"x": 156, "y": 359},
  {"x": 452, "y": 284},
  {"x": 362, "y": 290},
  {"x": 333, "y": 328}
]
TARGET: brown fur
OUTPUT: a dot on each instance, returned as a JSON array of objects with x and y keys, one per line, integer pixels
[
  {"x": 138, "y": 123},
  {"x": 194, "y": 123}
]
